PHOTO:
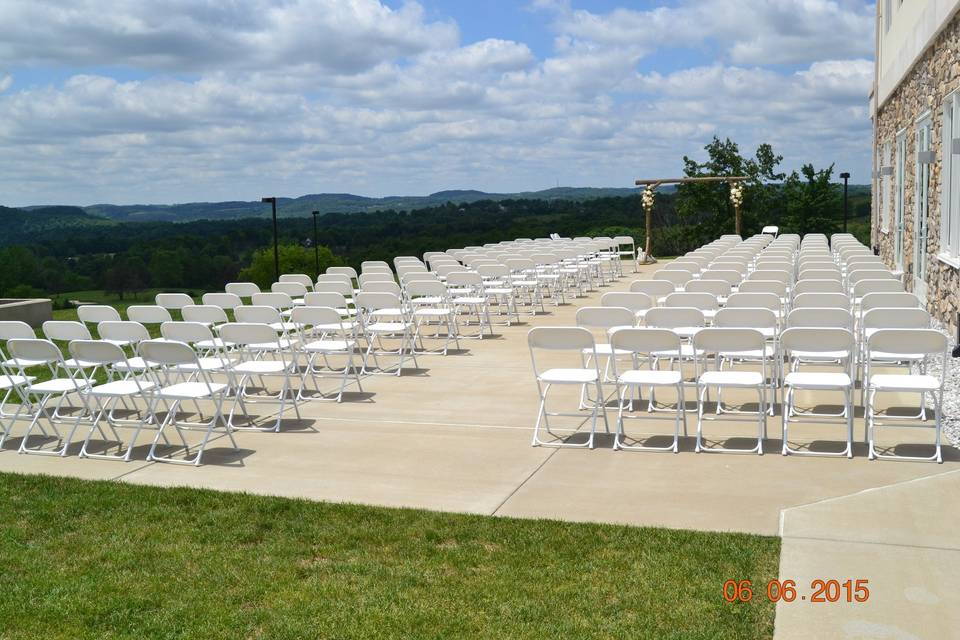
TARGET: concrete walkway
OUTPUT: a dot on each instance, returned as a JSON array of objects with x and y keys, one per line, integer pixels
[{"x": 455, "y": 436}]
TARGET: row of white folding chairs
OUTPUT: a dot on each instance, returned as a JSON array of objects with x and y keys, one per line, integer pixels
[{"x": 800, "y": 345}]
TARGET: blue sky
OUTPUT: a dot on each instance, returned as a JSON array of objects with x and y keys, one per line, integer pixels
[{"x": 186, "y": 100}]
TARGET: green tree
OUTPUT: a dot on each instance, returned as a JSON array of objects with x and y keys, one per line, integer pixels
[
  {"x": 811, "y": 201},
  {"x": 293, "y": 259},
  {"x": 707, "y": 205}
]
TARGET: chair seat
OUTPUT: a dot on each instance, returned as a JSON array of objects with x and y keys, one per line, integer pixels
[
  {"x": 7, "y": 382},
  {"x": 812, "y": 380},
  {"x": 731, "y": 378},
  {"x": 387, "y": 327},
  {"x": 524, "y": 283},
  {"x": 121, "y": 388},
  {"x": 57, "y": 385},
  {"x": 329, "y": 346},
  {"x": 820, "y": 355},
  {"x": 652, "y": 378},
  {"x": 283, "y": 326},
  {"x": 469, "y": 300},
  {"x": 768, "y": 352},
  {"x": 261, "y": 367},
  {"x": 135, "y": 364},
  {"x": 568, "y": 376},
  {"x": 686, "y": 351},
  {"x": 433, "y": 312},
  {"x": 190, "y": 390},
  {"x": 904, "y": 382}
]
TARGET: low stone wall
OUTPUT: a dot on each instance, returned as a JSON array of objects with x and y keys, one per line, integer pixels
[{"x": 34, "y": 312}]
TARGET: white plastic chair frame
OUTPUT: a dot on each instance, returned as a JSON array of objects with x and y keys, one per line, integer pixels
[
  {"x": 385, "y": 316},
  {"x": 431, "y": 306},
  {"x": 642, "y": 344},
  {"x": 713, "y": 342},
  {"x": 564, "y": 339},
  {"x": 908, "y": 343},
  {"x": 322, "y": 334},
  {"x": 819, "y": 344}
]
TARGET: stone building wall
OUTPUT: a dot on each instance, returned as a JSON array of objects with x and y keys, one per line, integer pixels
[{"x": 923, "y": 90}]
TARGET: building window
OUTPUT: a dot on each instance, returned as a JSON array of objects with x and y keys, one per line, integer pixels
[
  {"x": 950, "y": 178},
  {"x": 921, "y": 198},
  {"x": 899, "y": 200},
  {"x": 886, "y": 179}
]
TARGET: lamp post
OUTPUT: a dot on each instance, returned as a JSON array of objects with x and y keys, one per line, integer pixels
[
  {"x": 276, "y": 247},
  {"x": 845, "y": 176},
  {"x": 316, "y": 247}
]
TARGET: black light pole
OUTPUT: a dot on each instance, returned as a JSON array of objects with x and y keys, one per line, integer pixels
[
  {"x": 276, "y": 247},
  {"x": 845, "y": 176},
  {"x": 316, "y": 247}
]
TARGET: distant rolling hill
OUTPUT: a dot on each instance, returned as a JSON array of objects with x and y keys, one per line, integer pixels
[{"x": 328, "y": 203}]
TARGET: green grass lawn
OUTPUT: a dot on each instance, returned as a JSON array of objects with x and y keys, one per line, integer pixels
[{"x": 86, "y": 559}]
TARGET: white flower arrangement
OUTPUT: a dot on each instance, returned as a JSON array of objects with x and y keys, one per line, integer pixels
[
  {"x": 736, "y": 194},
  {"x": 647, "y": 198}
]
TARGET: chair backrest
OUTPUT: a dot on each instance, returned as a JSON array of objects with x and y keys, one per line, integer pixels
[
  {"x": 818, "y": 340},
  {"x": 375, "y": 300},
  {"x": 683, "y": 265},
  {"x": 730, "y": 276},
  {"x": 821, "y": 274},
  {"x": 758, "y": 300},
  {"x": 335, "y": 277},
  {"x": 173, "y": 300},
  {"x": 148, "y": 314},
  {"x": 464, "y": 279},
  {"x": 205, "y": 313},
  {"x": 654, "y": 288},
  {"x": 677, "y": 277},
  {"x": 426, "y": 288},
  {"x": 560, "y": 338},
  {"x": 865, "y": 287},
  {"x": 168, "y": 353},
  {"x": 605, "y": 317},
  {"x": 311, "y": 316},
  {"x": 839, "y": 317},
  {"x": 222, "y": 300},
  {"x": 123, "y": 330},
  {"x": 726, "y": 340},
  {"x": 343, "y": 288},
  {"x": 277, "y": 300},
  {"x": 894, "y": 299},
  {"x": 718, "y": 288},
  {"x": 347, "y": 271},
  {"x": 325, "y": 299},
  {"x": 300, "y": 278},
  {"x": 896, "y": 318},
  {"x": 35, "y": 350},
  {"x": 257, "y": 314},
  {"x": 376, "y": 277},
  {"x": 389, "y": 287},
  {"x": 908, "y": 342},
  {"x": 853, "y": 277},
  {"x": 15, "y": 329},
  {"x": 419, "y": 276},
  {"x": 292, "y": 289},
  {"x": 785, "y": 277},
  {"x": 96, "y": 352},
  {"x": 188, "y": 332},
  {"x": 818, "y": 286},
  {"x": 644, "y": 340},
  {"x": 745, "y": 317},
  {"x": 95, "y": 313},
  {"x": 66, "y": 330},
  {"x": 243, "y": 334},
  {"x": 674, "y": 317},
  {"x": 242, "y": 289},
  {"x": 764, "y": 286},
  {"x": 704, "y": 301},
  {"x": 822, "y": 300},
  {"x": 633, "y": 300}
]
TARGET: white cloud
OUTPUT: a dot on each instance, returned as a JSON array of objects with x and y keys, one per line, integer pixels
[
  {"x": 5, "y": 81},
  {"x": 393, "y": 103}
]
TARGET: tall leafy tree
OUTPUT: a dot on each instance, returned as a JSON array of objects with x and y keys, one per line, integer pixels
[
  {"x": 707, "y": 205},
  {"x": 811, "y": 201},
  {"x": 294, "y": 258}
]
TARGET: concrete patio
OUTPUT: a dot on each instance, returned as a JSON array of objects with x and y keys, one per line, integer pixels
[{"x": 455, "y": 436}]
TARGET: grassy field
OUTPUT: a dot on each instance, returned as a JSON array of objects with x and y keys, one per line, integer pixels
[{"x": 86, "y": 559}]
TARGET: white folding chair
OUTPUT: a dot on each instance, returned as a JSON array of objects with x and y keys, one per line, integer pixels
[
  {"x": 164, "y": 354},
  {"x": 102, "y": 399},
  {"x": 32, "y": 352},
  {"x": 818, "y": 344},
  {"x": 570, "y": 339},
  {"x": 642, "y": 344},
  {"x": 323, "y": 334},
  {"x": 384, "y": 316},
  {"x": 720, "y": 341},
  {"x": 910, "y": 344},
  {"x": 262, "y": 354},
  {"x": 173, "y": 301},
  {"x": 431, "y": 307}
]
